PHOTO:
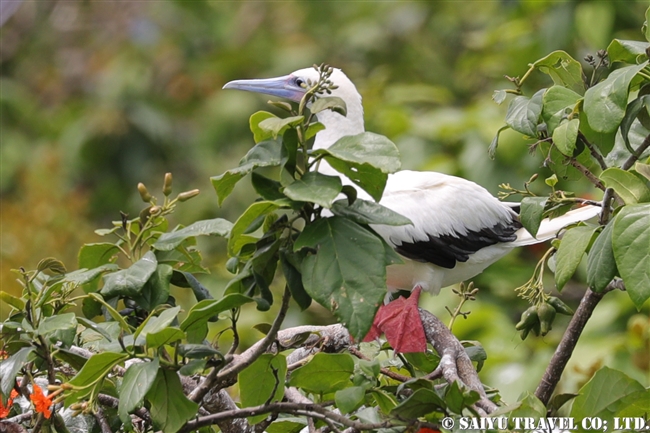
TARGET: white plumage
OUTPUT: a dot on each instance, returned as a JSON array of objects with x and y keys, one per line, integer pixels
[{"x": 458, "y": 229}]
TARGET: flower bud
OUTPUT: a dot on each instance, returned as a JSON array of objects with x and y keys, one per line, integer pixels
[
  {"x": 184, "y": 196},
  {"x": 144, "y": 193},
  {"x": 167, "y": 184}
]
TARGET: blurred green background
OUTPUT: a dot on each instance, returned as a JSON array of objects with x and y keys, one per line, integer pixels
[{"x": 98, "y": 96}]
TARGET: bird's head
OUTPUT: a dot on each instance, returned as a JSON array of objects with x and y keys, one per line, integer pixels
[{"x": 295, "y": 85}]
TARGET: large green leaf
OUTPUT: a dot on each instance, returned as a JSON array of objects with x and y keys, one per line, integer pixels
[
  {"x": 153, "y": 324},
  {"x": 625, "y": 51},
  {"x": 326, "y": 372},
  {"x": 631, "y": 243},
  {"x": 564, "y": 70},
  {"x": 600, "y": 396},
  {"x": 196, "y": 322},
  {"x": 523, "y": 113},
  {"x": 347, "y": 274},
  {"x": 316, "y": 188},
  {"x": 573, "y": 246},
  {"x": 156, "y": 291},
  {"x": 558, "y": 103},
  {"x": 89, "y": 379},
  {"x": 264, "y": 154},
  {"x": 260, "y": 134},
  {"x": 62, "y": 327},
  {"x": 129, "y": 281},
  {"x": 263, "y": 382},
  {"x": 276, "y": 125},
  {"x": 216, "y": 226},
  {"x": 532, "y": 213},
  {"x": 94, "y": 255},
  {"x": 365, "y": 158},
  {"x": 601, "y": 264},
  {"x": 170, "y": 409},
  {"x": 333, "y": 103},
  {"x": 10, "y": 367},
  {"x": 629, "y": 187},
  {"x": 420, "y": 403},
  {"x": 350, "y": 399},
  {"x": 368, "y": 212},
  {"x": 565, "y": 136},
  {"x": 137, "y": 381},
  {"x": 605, "y": 102}
]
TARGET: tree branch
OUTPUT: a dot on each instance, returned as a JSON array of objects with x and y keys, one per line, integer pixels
[
  {"x": 637, "y": 154},
  {"x": 594, "y": 151},
  {"x": 455, "y": 364},
  {"x": 569, "y": 340},
  {"x": 588, "y": 174}
]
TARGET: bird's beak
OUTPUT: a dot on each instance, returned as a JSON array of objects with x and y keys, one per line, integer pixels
[{"x": 284, "y": 87}]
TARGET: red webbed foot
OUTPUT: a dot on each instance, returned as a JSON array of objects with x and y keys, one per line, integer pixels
[{"x": 400, "y": 322}]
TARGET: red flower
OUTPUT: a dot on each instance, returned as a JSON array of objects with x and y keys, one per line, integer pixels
[
  {"x": 4, "y": 411},
  {"x": 428, "y": 430},
  {"x": 41, "y": 402}
]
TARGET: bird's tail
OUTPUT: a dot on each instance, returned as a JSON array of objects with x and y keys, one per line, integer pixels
[{"x": 549, "y": 228}]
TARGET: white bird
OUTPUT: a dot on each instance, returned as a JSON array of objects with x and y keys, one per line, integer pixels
[{"x": 458, "y": 229}]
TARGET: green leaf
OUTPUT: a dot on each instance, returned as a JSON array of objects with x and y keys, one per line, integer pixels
[
  {"x": 642, "y": 169},
  {"x": 156, "y": 291},
  {"x": 83, "y": 276},
  {"x": 153, "y": 324},
  {"x": 368, "y": 212},
  {"x": 458, "y": 399},
  {"x": 385, "y": 401},
  {"x": 601, "y": 264},
  {"x": 631, "y": 113},
  {"x": 498, "y": 96},
  {"x": 294, "y": 280},
  {"x": 365, "y": 158},
  {"x": 602, "y": 393},
  {"x": 350, "y": 399},
  {"x": 170, "y": 409},
  {"x": 129, "y": 281},
  {"x": 326, "y": 372},
  {"x": 216, "y": 226},
  {"x": 196, "y": 322},
  {"x": 564, "y": 70},
  {"x": 559, "y": 102},
  {"x": 111, "y": 311},
  {"x": 313, "y": 129},
  {"x": 62, "y": 327},
  {"x": 97, "y": 366},
  {"x": 532, "y": 212},
  {"x": 185, "y": 279},
  {"x": 137, "y": 381},
  {"x": 93, "y": 255},
  {"x": 628, "y": 186},
  {"x": 315, "y": 187},
  {"x": 237, "y": 235},
  {"x": 626, "y": 51},
  {"x": 263, "y": 382},
  {"x": 268, "y": 189},
  {"x": 51, "y": 264},
  {"x": 631, "y": 243},
  {"x": 348, "y": 272},
  {"x": 164, "y": 336},
  {"x": 264, "y": 154},
  {"x": 276, "y": 126},
  {"x": 260, "y": 134},
  {"x": 573, "y": 246},
  {"x": 333, "y": 103},
  {"x": 194, "y": 351},
  {"x": 421, "y": 402},
  {"x": 10, "y": 367},
  {"x": 565, "y": 136},
  {"x": 523, "y": 113},
  {"x": 605, "y": 102},
  {"x": 12, "y": 300},
  {"x": 92, "y": 325}
]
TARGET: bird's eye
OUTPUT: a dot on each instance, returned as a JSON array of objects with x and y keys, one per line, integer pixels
[{"x": 300, "y": 82}]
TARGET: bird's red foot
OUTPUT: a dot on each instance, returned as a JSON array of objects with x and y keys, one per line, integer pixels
[{"x": 400, "y": 322}]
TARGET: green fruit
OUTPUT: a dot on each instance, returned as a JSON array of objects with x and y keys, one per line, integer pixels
[
  {"x": 560, "y": 306},
  {"x": 546, "y": 314},
  {"x": 528, "y": 319}
]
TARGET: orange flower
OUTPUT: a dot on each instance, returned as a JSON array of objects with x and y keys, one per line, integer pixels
[
  {"x": 41, "y": 402},
  {"x": 4, "y": 411}
]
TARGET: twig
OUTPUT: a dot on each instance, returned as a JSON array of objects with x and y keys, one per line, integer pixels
[
  {"x": 569, "y": 340},
  {"x": 385, "y": 371},
  {"x": 594, "y": 152},
  {"x": 606, "y": 210},
  {"x": 113, "y": 402},
  {"x": 306, "y": 409},
  {"x": 101, "y": 420},
  {"x": 588, "y": 174},
  {"x": 637, "y": 154},
  {"x": 455, "y": 365}
]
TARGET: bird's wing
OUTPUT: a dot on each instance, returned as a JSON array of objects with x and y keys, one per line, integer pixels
[{"x": 452, "y": 217}]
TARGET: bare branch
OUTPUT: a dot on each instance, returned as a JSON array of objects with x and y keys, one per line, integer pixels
[
  {"x": 569, "y": 340},
  {"x": 101, "y": 420},
  {"x": 637, "y": 154},
  {"x": 593, "y": 150}
]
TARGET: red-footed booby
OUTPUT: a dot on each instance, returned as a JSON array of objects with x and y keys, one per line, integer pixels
[{"x": 458, "y": 229}]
